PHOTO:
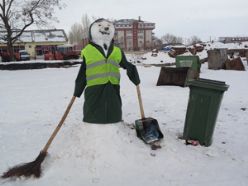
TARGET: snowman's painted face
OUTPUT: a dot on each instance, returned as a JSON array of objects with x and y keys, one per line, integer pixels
[{"x": 102, "y": 30}]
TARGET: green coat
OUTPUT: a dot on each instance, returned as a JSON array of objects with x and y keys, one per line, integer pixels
[{"x": 103, "y": 102}]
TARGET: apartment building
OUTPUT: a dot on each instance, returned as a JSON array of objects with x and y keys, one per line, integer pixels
[
  {"x": 132, "y": 34},
  {"x": 232, "y": 39}
]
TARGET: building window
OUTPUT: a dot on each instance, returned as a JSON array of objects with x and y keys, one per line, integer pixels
[{"x": 129, "y": 33}]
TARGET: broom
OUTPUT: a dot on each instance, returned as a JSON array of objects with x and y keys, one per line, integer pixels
[{"x": 34, "y": 168}]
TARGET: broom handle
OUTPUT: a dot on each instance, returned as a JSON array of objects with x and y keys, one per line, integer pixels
[
  {"x": 59, "y": 125},
  {"x": 140, "y": 102}
]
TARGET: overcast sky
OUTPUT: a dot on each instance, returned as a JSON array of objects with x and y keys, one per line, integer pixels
[{"x": 184, "y": 18}]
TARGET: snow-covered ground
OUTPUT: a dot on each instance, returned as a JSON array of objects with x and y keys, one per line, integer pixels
[
  {"x": 39, "y": 61},
  {"x": 161, "y": 58},
  {"x": 242, "y": 45},
  {"x": 33, "y": 101},
  {"x": 147, "y": 58}
]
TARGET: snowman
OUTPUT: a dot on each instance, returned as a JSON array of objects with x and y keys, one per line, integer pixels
[{"x": 99, "y": 75}]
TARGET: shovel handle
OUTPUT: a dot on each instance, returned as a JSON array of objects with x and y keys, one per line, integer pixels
[
  {"x": 56, "y": 130},
  {"x": 140, "y": 102}
]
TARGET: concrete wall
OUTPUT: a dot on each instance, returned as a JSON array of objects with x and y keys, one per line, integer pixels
[
  {"x": 217, "y": 58},
  {"x": 148, "y": 38}
]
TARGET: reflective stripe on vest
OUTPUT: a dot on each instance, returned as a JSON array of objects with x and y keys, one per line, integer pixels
[{"x": 100, "y": 70}]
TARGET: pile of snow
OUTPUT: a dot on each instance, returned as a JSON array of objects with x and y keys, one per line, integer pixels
[
  {"x": 203, "y": 54},
  {"x": 162, "y": 57},
  {"x": 33, "y": 101},
  {"x": 242, "y": 45}
]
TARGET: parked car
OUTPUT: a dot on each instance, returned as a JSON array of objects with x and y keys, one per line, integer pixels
[
  {"x": 23, "y": 55},
  {"x": 62, "y": 52},
  {"x": 5, "y": 56}
]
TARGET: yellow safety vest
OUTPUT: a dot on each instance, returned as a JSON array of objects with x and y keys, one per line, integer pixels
[{"x": 99, "y": 69}]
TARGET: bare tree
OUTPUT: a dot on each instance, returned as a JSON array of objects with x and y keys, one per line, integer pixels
[
  {"x": 194, "y": 40},
  {"x": 76, "y": 33},
  {"x": 171, "y": 39},
  {"x": 156, "y": 42},
  {"x": 80, "y": 31},
  {"x": 17, "y": 15},
  {"x": 86, "y": 25}
]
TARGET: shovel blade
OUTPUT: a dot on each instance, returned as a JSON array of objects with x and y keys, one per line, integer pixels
[{"x": 148, "y": 130}]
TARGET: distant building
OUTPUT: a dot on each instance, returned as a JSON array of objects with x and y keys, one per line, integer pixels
[
  {"x": 37, "y": 42},
  {"x": 132, "y": 34},
  {"x": 232, "y": 39}
]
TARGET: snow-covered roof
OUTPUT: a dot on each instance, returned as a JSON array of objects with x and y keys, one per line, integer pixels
[
  {"x": 178, "y": 46},
  {"x": 129, "y": 22},
  {"x": 55, "y": 35}
]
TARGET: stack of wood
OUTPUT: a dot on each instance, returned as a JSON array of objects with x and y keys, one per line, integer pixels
[
  {"x": 196, "y": 48},
  {"x": 177, "y": 50}
]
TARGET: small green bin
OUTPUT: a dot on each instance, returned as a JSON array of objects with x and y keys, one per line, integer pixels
[
  {"x": 193, "y": 62},
  {"x": 189, "y": 61},
  {"x": 203, "y": 107}
]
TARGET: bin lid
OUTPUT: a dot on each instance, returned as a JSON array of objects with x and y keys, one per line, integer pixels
[
  {"x": 188, "y": 61},
  {"x": 208, "y": 83}
]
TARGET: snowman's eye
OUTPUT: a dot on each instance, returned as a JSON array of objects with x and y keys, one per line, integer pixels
[{"x": 99, "y": 25}]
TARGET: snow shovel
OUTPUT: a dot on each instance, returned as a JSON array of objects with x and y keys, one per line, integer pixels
[
  {"x": 34, "y": 168},
  {"x": 147, "y": 129}
]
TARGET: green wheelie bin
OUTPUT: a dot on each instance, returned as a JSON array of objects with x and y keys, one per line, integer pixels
[
  {"x": 188, "y": 61},
  {"x": 202, "y": 111},
  {"x": 193, "y": 62}
]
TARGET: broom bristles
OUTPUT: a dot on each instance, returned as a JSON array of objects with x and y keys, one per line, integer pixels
[{"x": 27, "y": 169}]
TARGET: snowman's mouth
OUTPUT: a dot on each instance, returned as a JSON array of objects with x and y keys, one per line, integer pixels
[{"x": 104, "y": 33}]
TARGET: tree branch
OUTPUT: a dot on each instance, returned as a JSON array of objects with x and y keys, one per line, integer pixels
[
  {"x": 9, "y": 7},
  {"x": 2, "y": 5},
  {"x": 23, "y": 29}
]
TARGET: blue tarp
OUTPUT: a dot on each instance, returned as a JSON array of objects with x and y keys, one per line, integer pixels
[{"x": 167, "y": 48}]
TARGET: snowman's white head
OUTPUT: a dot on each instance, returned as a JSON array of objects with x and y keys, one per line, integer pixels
[{"x": 102, "y": 32}]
